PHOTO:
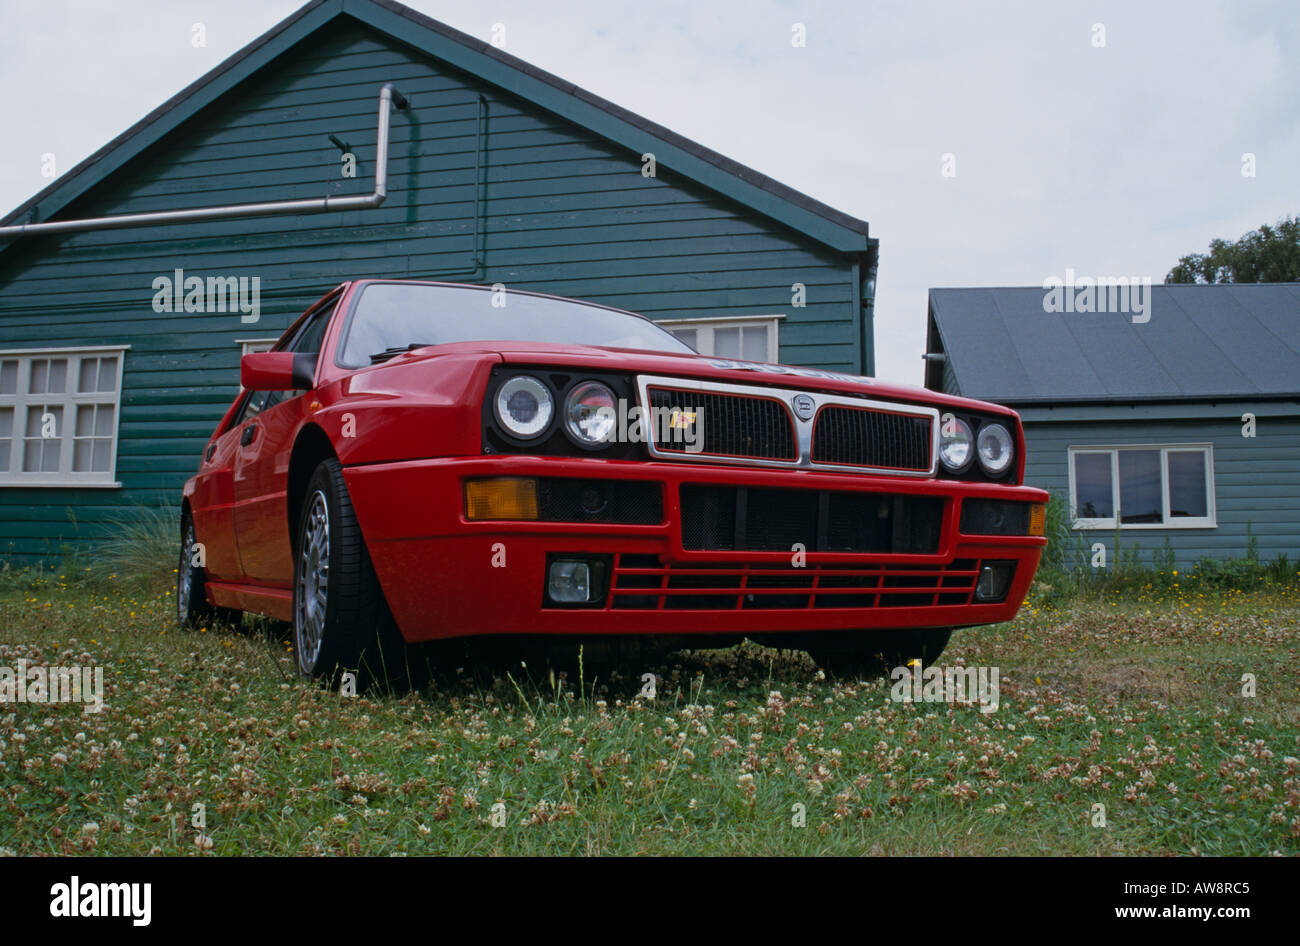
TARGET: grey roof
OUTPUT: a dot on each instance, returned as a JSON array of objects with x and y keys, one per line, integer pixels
[{"x": 1201, "y": 343}]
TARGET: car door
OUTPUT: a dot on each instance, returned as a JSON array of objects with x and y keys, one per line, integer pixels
[
  {"x": 212, "y": 505},
  {"x": 261, "y": 470}
]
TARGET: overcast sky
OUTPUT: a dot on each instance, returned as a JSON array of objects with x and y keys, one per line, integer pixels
[{"x": 1110, "y": 159}]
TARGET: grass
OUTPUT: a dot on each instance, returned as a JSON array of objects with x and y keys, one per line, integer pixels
[{"x": 1136, "y": 705}]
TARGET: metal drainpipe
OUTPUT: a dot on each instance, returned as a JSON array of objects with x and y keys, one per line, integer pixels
[
  {"x": 387, "y": 95},
  {"x": 871, "y": 264}
]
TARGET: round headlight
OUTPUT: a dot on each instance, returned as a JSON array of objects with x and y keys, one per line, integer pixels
[
  {"x": 524, "y": 406},
  {"x": 956, "y": 444},
  {"x": 995, "y": 449},
  {"x": 590, "y": 413}
]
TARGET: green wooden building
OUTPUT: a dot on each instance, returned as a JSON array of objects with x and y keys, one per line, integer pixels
[
  {"x": 1177, "y": 426},
  {"x": 111, "y": 380}
]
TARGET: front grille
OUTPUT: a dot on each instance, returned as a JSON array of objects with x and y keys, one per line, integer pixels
[
  {"x": 856, "y": 436},
  {"x": 731, "y": 425},
  {"x": 740, "y": 518},
  {"x": 646, "y": 583},
  {"x": 631, "y": 502}
]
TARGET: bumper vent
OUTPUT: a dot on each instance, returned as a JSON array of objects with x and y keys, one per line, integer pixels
[
  {"x": 739, "y": 518},
  {"x": 644, "y": 583}
]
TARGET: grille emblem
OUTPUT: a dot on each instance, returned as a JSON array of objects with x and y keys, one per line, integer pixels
[{"x": 804, "y": 406}]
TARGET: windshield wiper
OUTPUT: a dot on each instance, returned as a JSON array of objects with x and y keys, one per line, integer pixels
[{"x": 387, "y": 353}]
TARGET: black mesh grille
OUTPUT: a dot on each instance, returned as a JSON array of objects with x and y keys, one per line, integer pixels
[
  {"x": 738, "y": 518},
  {"x": 856, "y": 436},
  {"x": 574, "y": 500},
  {"x": 645, "y": 583},
  {"x": 731, "y": 425}
]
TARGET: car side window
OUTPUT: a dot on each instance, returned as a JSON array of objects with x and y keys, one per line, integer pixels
[
  {"x": 313, "y": 333},
  {"x": 253, "y": 405}
]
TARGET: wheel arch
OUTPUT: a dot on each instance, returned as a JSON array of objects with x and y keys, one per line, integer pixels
[{"x": 310, "y": 449}]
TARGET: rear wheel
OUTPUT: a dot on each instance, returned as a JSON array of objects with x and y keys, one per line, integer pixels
[
  {"x": 870, "y": 653},
  {"x": 341, "y": 622},
  {"x": 192, "y": 608}
]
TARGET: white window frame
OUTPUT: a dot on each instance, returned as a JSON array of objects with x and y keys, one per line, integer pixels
[
  {"x": 1208, "y": 521},
  {"x": 22, "y": 400},
  {"x": 249, "y": 345},
  {"x": 705, "y": 328}
]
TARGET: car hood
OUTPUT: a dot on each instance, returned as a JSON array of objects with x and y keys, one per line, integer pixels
[
  {"x": 689, "y": 365},
  {"x": 730, "y": 370}
]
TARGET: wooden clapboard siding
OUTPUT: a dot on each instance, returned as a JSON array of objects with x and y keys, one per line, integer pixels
[
  {"x": 563, "y": 210},
  {"x": 1256, "y": 480}
]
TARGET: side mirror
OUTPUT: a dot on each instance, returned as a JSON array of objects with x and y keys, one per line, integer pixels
[{"x": 277, "y": 371}]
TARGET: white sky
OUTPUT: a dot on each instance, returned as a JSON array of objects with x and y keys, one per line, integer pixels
[{"x": 1110, "y": 161}]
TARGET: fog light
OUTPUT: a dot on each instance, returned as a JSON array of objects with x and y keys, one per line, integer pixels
[
  {"x": 994, "y": 582},
  {"x": 501, "y": 497},
  {"x": 569, "y": 582}
]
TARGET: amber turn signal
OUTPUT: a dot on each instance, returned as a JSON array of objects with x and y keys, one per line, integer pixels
[
  {"x": 501, "y": 497},
  {"x": 1037, "y": 518}
]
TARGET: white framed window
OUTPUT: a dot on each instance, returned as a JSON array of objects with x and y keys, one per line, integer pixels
[
  {"x": 59, "y": 415},
  {"x": 1143, "y": 486},
  {"x": 746, "y": 337},
  {"x": 249, "y": 345}
]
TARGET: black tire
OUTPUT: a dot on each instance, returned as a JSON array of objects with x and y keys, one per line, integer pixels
[
  {"x": 192, "y": 608},
  {"x": 341, "y": 621},
  {"x": 873, "y": 653}
]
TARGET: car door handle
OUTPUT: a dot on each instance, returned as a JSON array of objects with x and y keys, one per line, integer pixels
[{"x": 247, "y": 436}]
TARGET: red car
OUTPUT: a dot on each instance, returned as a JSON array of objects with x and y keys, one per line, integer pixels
[{"x": 416, "y": 461}]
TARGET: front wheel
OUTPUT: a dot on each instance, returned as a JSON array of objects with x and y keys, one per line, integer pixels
[{"x": 341, "y": 622}]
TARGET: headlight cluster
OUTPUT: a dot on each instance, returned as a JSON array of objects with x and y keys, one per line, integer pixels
[
  {"x": 525, "y": 408},
  {"x": 959, "y": 446}
]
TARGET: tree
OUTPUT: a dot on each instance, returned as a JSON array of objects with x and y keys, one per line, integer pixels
[{"x": 1269, "y": 254}]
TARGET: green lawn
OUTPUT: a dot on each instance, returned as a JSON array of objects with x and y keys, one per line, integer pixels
[{"x": 1136, "y": 706}]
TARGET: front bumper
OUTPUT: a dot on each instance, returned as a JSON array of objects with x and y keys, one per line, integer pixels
[{"x": 445, "y": 576}]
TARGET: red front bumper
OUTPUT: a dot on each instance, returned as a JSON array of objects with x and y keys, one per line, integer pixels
[{"x": 445, "y": 576}]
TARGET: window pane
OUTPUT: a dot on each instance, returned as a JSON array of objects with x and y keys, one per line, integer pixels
[
  {"x": 103, "y": 448},
  {"x": 1187, "y": 492},
  {"x": 85, "y": 420},
  {"x": 687, "y": 335},
  {"x": 58, "y": 379},
  {"x": 755, "y": 343},
  {"x": 81, "y": 456},
  {"x": 6, "y": 421},
  {"x": 1092, "y": 487},
  {"x": 87, "y": 374},
  {"x": 8, "y": 377},
  {"x": 6, "y": 452},
  {"x": 1139, "y": 486},
  {"x": 41, "y": 456},
  {"x": 726, "y": 342},
  {"x": 40, "y": 370},
  {"x": 108, "y": 374},
  {"x": 104, "y": 421}
]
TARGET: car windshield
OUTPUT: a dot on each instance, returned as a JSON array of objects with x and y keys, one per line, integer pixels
[{"x": 391, "y": 317}]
